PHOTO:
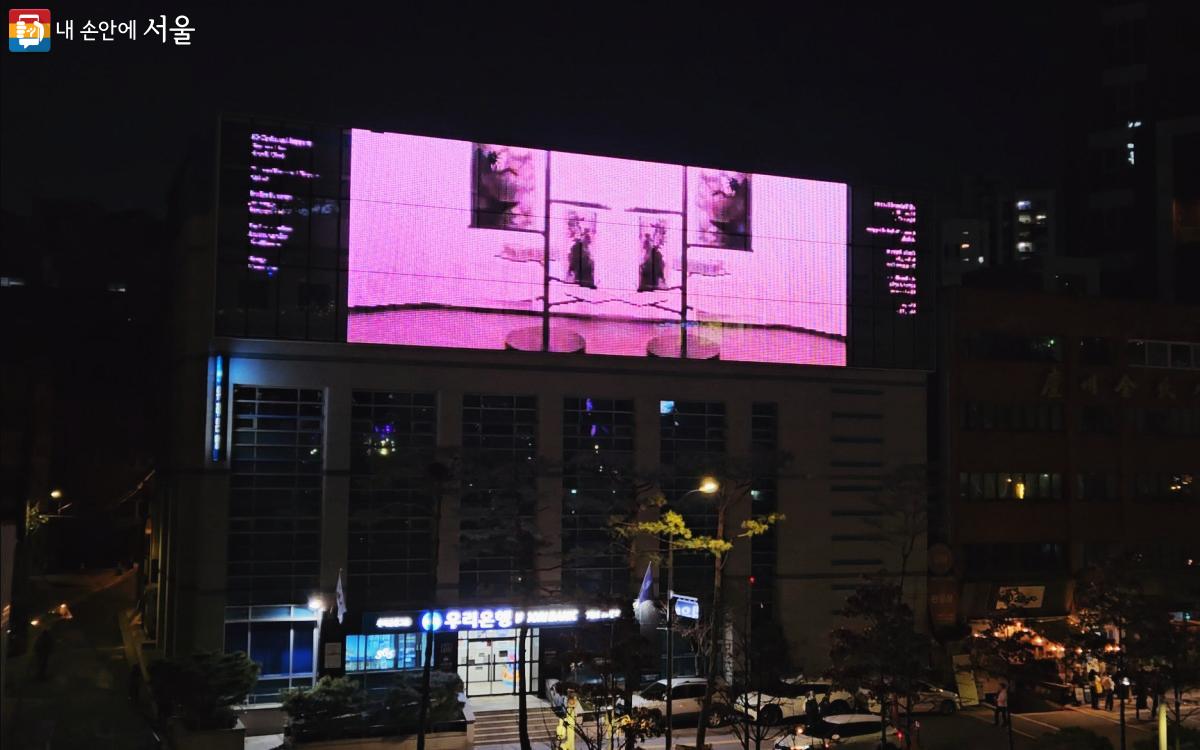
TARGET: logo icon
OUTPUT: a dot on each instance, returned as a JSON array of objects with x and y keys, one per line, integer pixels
[{"x": 29, "y": 30}]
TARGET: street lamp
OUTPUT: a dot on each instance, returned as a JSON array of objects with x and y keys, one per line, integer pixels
[
  {"x": 56, "y": 494},
  {"x": 708, "y": 486}
]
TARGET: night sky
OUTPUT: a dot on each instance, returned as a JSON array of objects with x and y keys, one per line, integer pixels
[{"x": 898, "y": 94}]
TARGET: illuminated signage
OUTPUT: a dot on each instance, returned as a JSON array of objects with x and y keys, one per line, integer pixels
[
  {"x": 896, "y": 222},
  {"x": 687, "y": 606},
  {"x": 486, "y": 246},
  {"x": 498, "y": 617},
  {"x": 274, "y": 214},
  {"x": 218, "y": 438}
]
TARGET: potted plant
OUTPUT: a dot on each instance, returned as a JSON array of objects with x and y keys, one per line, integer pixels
[{"x": 195, "y": 695}]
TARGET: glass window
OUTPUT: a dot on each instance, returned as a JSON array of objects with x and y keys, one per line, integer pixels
[
  {"x": 1181, "y": 356},
  {"x": 381, "y": 651},
  {"x": 1136, "y": 351},
  {"x": 1157, "y": 354},
  {"x": 270, "y": 646}
]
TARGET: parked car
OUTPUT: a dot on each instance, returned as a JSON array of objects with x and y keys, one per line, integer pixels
[
  {"x": 843, "y": 730},
  {"x": 687, "y": 696},
  {"x": 787, "y": 700},
  {"x": 933, "y": 699}
]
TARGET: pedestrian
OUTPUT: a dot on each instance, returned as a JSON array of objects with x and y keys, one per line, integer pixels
[
  {"x": 41, "y": 652},
  {"x": 1001, "y": 718},
  {"x": 1108, "y": 686},
  {"x": 1155, "y": 692},
  {"x": 824, "y": 707},
  {"x": 1139, "y": 696},
  {"x": 1097, "y": 689},
  {"x": 812, "y": 711}
]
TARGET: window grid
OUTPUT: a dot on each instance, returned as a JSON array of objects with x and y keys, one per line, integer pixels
[
  {"x": 598, "y": 437},
  {"x": 1035, "y": 417},
  {"x": 391, "y": 502},
  {"x": 1015, "y": 486},
  {"x": 275, "y": 498},
  {"x": 496, "y": 532},
  {"x": 692, "y": 443}
]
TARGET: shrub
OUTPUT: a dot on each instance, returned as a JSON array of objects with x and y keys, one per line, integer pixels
[
  {"x": 402, "y": 704},
  {"x": 331, "y": 698},
  {"x": 200, "y": 689}
]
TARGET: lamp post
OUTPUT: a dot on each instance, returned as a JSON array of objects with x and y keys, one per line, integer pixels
[{"x": 708, "y": 486}]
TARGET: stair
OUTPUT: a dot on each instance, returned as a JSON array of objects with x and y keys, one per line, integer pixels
[{"x": 500, "y": 727}]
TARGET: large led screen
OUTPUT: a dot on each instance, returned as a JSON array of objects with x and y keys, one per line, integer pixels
[{"x": 483, "y": 246}]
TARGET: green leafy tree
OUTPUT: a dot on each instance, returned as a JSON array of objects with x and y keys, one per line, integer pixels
[
  {"x": 1127, "y": 594},
  {"x": 201, "y": 689},
  {"x": 1005, "y": 650},
  {"x": 879, "y": 650},
  {"x": 672, "y": 531}
]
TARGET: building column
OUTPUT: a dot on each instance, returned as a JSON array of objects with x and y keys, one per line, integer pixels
[{"x": 335, "y": 503}]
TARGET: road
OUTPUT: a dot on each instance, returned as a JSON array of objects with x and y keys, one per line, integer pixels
[
  {"x": 971, "y": 729},
  {"x": 84, "y": 702}
]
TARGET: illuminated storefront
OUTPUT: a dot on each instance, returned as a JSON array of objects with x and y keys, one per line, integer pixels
[{"x": 481, "y": 642}]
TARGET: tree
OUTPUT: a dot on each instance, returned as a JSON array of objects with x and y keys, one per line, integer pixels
[
  {"x": 880, "y": 650},
  {"x": 1004, "y": 648},
  {"x": 200, "y": 689},
  {"x": 672, "y": 531},
  {"x": 433, "y": 474},
  {"x": 500, "y": 540},
  {"x": 903, "y": 513},
  {"x": 1150, "y": 639},
  {"x": 760, "y": 653}
]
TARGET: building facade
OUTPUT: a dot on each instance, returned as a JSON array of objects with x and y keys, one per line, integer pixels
[
  {"x": 339, "y": 493},
  {"x": 1071, "y": 433}
]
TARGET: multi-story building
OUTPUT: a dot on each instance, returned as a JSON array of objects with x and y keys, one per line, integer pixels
[
  {"x": 1071, "y": 432},
  {"x": 1134, "y": 125},
  {"x": 428, "y": 373}
]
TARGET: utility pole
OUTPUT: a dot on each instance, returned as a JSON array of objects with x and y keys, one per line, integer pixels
[{"x": 670, "y": 630}]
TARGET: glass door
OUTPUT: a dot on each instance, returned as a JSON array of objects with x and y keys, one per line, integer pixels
[{"x": 487, "y": 662}]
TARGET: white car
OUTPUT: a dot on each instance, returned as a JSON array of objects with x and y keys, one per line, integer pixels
[
  {"x": 930, "y": 698},
  {"x": 787, "y": 700},
  {"x": 687, "y": 696},
  {"x": 843, "y": 730}
]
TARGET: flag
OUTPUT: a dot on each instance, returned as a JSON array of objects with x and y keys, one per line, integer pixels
[
  {"x": 341, "y": 598},
  {"x": 647, "y": 585},
  {"x": 644, "y": 609}
]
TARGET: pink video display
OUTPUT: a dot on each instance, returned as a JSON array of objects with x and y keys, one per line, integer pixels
[{"x": 484, "y": 246}]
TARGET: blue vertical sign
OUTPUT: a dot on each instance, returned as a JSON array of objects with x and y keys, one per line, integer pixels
[{"x": 218, "y": 439}]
